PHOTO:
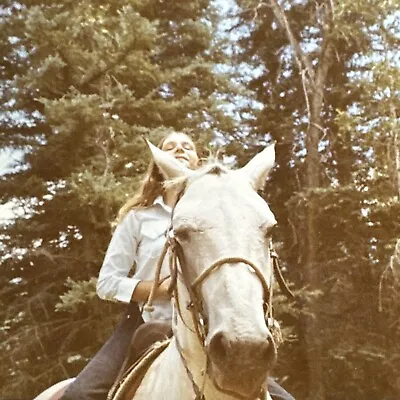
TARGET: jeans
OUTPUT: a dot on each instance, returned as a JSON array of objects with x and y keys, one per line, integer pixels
[
  {"x": 96, "y": 379},
  {"x": 277, "y": 391}
]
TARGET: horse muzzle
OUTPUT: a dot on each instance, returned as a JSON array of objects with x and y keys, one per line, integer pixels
[{"x": 239, "y": 366}]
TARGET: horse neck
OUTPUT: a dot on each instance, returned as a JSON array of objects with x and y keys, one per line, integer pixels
[
  {"x": 193, "y": 352},
  {"x": 185, "y": 330},
  {"x": 187, "y": 340}
]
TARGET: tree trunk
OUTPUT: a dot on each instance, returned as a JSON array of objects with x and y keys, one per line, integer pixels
[
  {"x": 396, "y": 150},
  {"x": 312, "y": 325},
  {"x": 313, "y": 82}
]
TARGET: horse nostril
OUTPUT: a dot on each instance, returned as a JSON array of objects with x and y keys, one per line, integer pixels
[
  {"x": 219, "y": 346},
  {"x": 260, "y": 350}
]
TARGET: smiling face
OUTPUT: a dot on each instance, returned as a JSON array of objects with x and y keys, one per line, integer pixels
[{"x": 181, "y": 147}]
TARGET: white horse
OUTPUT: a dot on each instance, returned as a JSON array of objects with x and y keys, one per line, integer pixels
[{"x": 222, "y": 348}]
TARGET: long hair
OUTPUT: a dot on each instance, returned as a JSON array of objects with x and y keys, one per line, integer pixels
[{"x": 151, "y": 187}]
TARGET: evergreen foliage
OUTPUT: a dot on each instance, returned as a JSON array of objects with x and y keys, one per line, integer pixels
[
  {"x": 338, "y": 178},
  {"x": 85, "y": 81}
]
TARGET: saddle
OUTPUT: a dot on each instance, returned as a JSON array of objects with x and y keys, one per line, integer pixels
[{"x": 148, "y": 342}]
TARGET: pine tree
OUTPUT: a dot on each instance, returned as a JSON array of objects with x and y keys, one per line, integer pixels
[
  {"x": 307, "y": 59},
  {"x": 91, "y": 79}
]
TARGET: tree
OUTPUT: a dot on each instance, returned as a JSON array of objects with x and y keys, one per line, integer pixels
[
  {"x": 320, "y": 78},
  {"x": 90, "y": 78},
  {"x": 308, "y": 59}
]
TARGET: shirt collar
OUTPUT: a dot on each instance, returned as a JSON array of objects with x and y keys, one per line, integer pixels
[{"x": 160, "y": 201}]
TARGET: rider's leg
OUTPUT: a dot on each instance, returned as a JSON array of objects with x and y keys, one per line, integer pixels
[
  {"x": 96, "y": 379},
  {"x": 277, "y": 391}
]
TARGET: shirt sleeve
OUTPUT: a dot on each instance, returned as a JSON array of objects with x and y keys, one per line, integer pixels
[{"x": 113, "y": 282}]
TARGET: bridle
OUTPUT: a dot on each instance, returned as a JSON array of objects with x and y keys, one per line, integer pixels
[
  {"x": 176, "y": 259},
  {"x": 178, "y": 267},
  {"x": 196, "y": 305}
]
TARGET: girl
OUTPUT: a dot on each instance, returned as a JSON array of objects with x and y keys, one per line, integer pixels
[{"x": 138, "y": 240}]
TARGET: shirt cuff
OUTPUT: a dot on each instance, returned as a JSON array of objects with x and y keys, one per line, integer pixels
[{"x": 126, "y": 286}]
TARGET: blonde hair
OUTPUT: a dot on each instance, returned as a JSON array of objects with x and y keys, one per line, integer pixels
[{"x": 152, "y": 186}]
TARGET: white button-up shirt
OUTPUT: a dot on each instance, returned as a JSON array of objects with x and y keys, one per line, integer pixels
[{"x": 136, "y": 245}]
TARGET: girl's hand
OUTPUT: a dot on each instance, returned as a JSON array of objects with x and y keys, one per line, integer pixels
[
  {"x": 143, "y": 289},
  {"x": 162, "y": 291}
]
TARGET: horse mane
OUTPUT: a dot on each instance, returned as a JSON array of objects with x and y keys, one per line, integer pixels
[{"x": 212, "y": 167}]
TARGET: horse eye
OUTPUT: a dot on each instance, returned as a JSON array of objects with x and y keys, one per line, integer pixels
[
  {"x": 182, "y": 234},
  {"x": 269, "y": 231}
]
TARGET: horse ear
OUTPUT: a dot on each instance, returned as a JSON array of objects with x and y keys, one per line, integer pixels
[
  {"x": 169, "y": 166},
  {"x": 258, "y": 168}
]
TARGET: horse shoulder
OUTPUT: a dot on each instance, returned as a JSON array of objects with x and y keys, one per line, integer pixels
[{"x": 164, "y": 378}]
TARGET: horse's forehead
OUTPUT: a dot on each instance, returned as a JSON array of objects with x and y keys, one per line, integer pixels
[{"x": 226, "y": 195}]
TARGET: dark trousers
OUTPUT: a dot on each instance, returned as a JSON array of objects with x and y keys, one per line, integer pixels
[
  {"x": 96, "y": 379},
  {"x": 277, "y": 391}
]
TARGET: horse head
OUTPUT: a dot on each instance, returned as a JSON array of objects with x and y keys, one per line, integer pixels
[{"x": 223, "y": 230}]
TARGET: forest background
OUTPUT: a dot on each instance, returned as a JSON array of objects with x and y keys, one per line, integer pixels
[{"x": 82, "y": 81}]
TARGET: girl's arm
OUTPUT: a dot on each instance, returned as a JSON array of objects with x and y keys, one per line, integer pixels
[
  {"x": 143, "y": 289},
  {"x": 113, "y": 282}
]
